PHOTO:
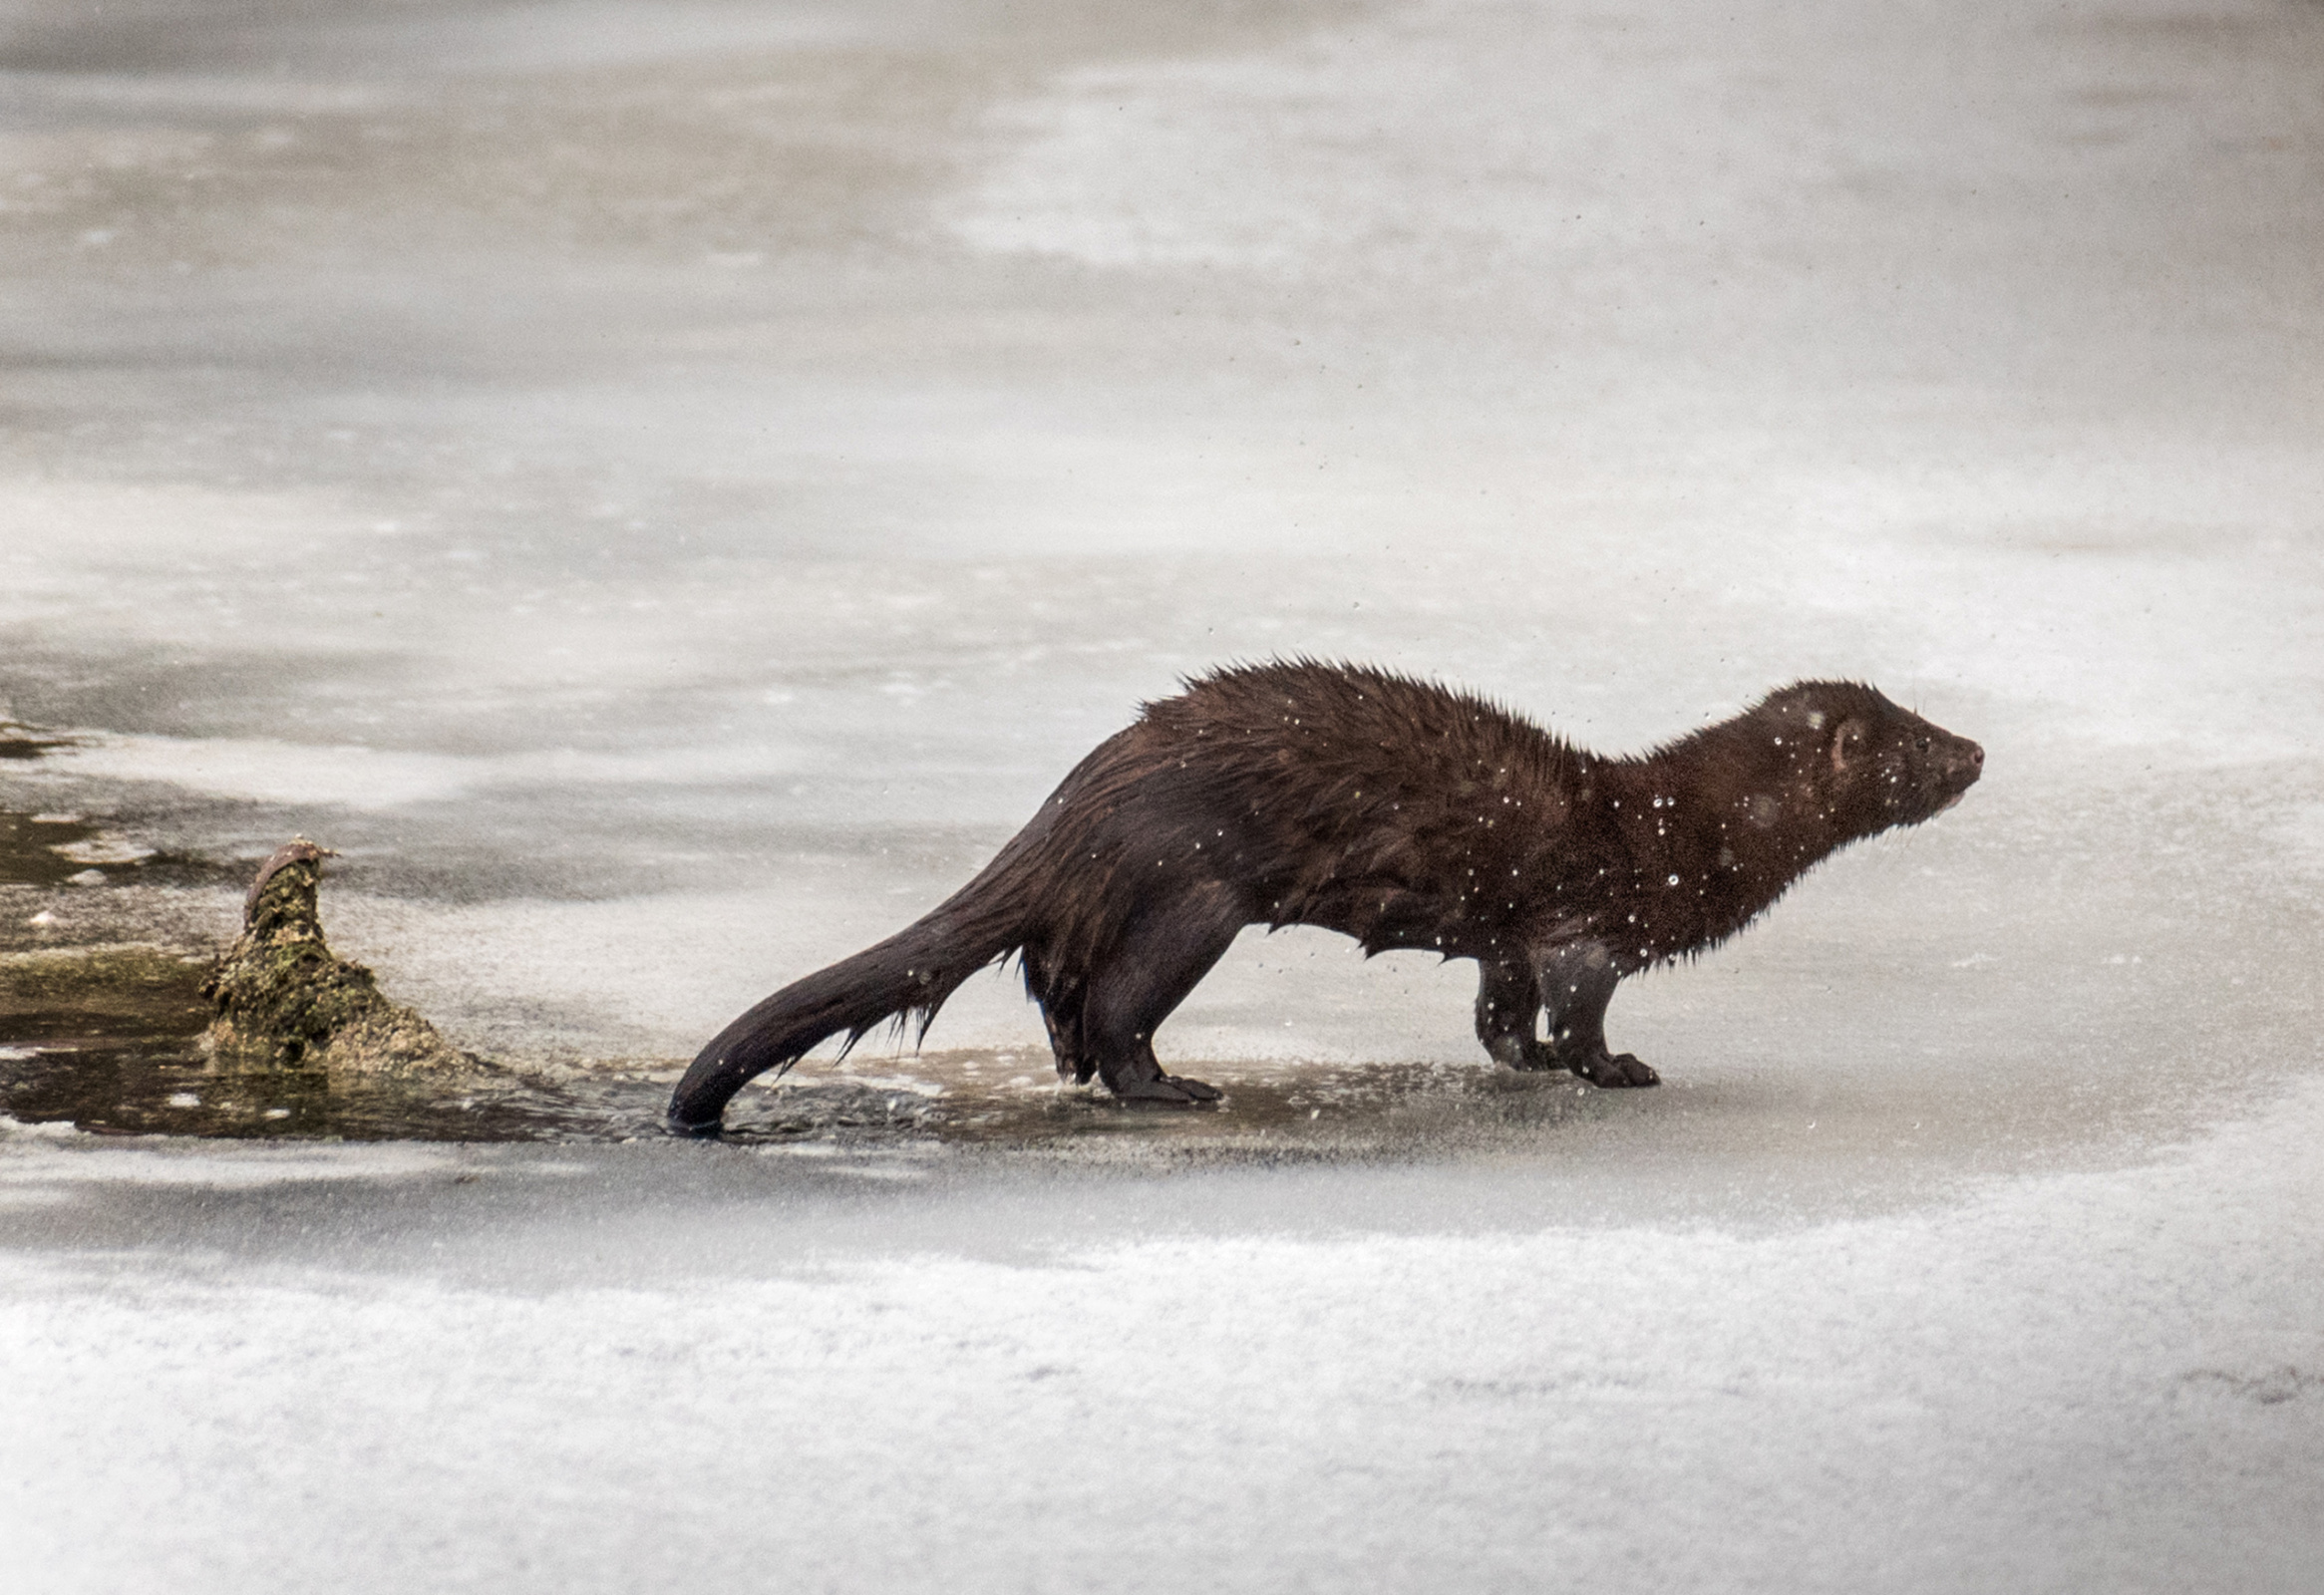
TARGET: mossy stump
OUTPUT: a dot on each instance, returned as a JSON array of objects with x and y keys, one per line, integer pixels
[{"x": 284, "y": 1001}]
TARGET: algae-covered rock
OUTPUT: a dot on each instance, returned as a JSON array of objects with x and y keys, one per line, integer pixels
[{"x": 285, "y": 1002}]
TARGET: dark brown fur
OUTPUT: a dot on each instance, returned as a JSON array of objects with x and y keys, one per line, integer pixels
[{"x": 1400, "y": 813}]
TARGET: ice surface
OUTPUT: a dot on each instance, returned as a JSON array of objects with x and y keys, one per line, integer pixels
[{"x": 667, "y": 489}]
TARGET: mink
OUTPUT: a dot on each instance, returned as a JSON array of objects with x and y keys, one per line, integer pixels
[{"x": 1397, "y": 812}]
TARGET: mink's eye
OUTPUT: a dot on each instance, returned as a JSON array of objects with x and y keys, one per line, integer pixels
[{"x": 1921, "y": 744}]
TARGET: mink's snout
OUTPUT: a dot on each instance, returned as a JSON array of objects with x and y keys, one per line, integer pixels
[{"x": 1954, "y": 770}]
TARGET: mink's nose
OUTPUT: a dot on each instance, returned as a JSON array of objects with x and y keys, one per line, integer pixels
[{"x": 1971, "y": 758}]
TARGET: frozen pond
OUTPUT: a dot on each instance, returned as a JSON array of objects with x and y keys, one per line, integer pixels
[{"x": 666, "y": 490}]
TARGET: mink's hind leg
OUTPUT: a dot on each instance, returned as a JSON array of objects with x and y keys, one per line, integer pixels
[
  {"x": 1508, "y": 1001},
  {"x": 1165, "y": 952},
  {"x": 1577, "y": 981},
  {"x": 1061, "y": 1012},
  {"x": 1065, "y": 1041}
]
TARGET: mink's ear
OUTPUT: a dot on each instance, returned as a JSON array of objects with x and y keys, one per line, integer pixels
[{"x": 1848, "y": 741}]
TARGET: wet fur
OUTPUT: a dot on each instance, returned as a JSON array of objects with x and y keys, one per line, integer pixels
[{"x": 1399, "y": 812}]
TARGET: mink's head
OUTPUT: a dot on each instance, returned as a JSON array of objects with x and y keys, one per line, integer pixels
[{"x": 1870, "y": 764}]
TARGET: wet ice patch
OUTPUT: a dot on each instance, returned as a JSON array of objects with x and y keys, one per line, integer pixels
[
  {"x": 351, "y": 776},
  {"x": 558, "y": 36},
  {"x": 262, "y": 771},
  {"x": 102, "y": 850},
  {"x": 11, "y": 1128},
  {"x": 48, "y": 849},
  {"x": 91, "y": 1161}
]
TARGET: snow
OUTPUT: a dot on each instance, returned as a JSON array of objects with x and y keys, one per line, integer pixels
[
  {"x": 666, "y": 491},
  {"x": 603, "y": 1370}
]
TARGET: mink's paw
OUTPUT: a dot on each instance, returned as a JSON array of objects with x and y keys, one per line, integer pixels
[
  {"x": 1167, "y": 1091},
  {"x": 1622, "y": 1070},
  {"x": 1522, "y": 1053}
]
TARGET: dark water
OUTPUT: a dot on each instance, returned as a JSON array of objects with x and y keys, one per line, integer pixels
[
  {"x": 137, "y": 1085},
  {"x": 106, "y": 1086}
]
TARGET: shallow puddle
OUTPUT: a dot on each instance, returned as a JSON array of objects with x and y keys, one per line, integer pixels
[{"x": 107, "y": 1039}]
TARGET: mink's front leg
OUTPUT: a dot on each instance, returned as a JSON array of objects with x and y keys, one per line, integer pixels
[{"x": 1577, "y": 980}]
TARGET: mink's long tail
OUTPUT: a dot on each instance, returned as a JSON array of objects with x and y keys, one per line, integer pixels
[{"x": 905, "y": 977}]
